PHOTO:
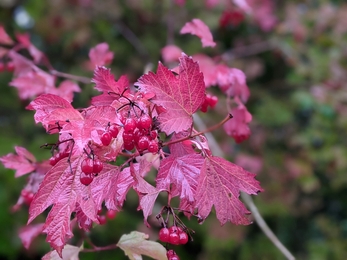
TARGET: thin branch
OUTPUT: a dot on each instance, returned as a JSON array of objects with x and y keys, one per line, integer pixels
[
  {"x": 84, "y": 80},
  {"x": 248, "y": 50},
  {"x": 216, "y": 150}
]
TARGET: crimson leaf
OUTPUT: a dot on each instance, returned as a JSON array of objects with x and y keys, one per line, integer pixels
[
  {"x": 220, "y": 184},
  {"x": 105, "y": 82},
  {"x": 180, "y": 95}
]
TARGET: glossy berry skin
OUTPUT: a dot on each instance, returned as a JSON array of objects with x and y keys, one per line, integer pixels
[
  {"x": 171, "y": 255},
  {"x": 183, "y": 238},
  {"x": 106, "y": 138},
  {"x": 129, "y": 125},
  {"x": 164, "y": 235},
  {"x": 174, "y": 257},
  {"x": 128, "y": 137},
  {"x": 86, "y": 179},
  {"x": 145, "y": 122},
  {"x": 113, "y": 130},
  {"x": 87, "y": 166},
  {"x": 111, "y": 214},
  {"x": 153, "y": 146},
  {"x": 52, "y": 161},
  {"x": 143, "y": 142},
  {"x": 97, "y": 166},
  {"x": 129, "y": 146},
  {"x": 27, "y": 196},
  {"x": 174, "y": 238},
  {"x": 102, "y": 219}
]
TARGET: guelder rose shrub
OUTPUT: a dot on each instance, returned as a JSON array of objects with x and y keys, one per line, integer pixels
[{"x": 108, "y": 148}]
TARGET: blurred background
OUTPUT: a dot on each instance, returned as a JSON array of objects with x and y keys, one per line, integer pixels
[{"x": 294, "y": 54}]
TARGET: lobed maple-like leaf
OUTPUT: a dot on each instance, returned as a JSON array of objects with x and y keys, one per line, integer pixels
[
  {"x": 200, "y": 29},
  {"x": 23, "y": 162},
  {"x": 182, "y": 173},
  {"x": 137, "y": 244},
  {"x": 237, "y": 127},
  {"x": 105, "y": 82},
  {"x": 28, "y": 233},
  {"x": 181, "y": 95},
  {"x": 219, "y": 185},
  {"x": 52, "y": 108}
]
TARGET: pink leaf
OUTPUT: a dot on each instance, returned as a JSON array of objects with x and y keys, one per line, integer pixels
[
  {"x": 182, "y": 173},
  {"x": 237, "y": 127},
  {"x": 24, "y": 39},
  {"x": 23, "y": 162},
  {"x": 219, "y": 185},
  {"x": 180, "y": 95},
  {"x": 100, "y": 55},
  {"x": 69, "y": 252},
  {"x": 200, "y": 29},
  {"x": 66, "y": 89},
  {"x": 28, "y": 233},
  {"x": 4, "y": 38},
  {"x": 171, "y": 53},
  {"x": 105, "y": 82}
]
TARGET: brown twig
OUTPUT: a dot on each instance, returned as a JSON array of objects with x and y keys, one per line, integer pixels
[{"x": 84, "y": 80}]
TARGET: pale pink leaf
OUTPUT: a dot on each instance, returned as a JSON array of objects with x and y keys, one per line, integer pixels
[
  {"x": 219, "y": 185},
  {"x": 100, "y": 55},
  {"x": 28, "y": 233},
  {"x": 23, "y": 162},
  {"x": 4, "y": 38},
  {"x": 181, "y": 95},
  {"x": 105, "y": 82},
  {"x": 200, "y": 29},
  {"x": 69, "y": 253},
  {"x": 137, "y": 244},
  {"x": 237, "y": 127},
  {"x": 171, "y": 53}
]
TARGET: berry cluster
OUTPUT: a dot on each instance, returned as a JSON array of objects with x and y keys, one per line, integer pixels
[
  {"x": 90, "y": 168},
  {"x": 139, "y": 133},
  {"x": 173, "y": 235},
  {"x": 57, "y": 157},
  {"x": 110, "y": 214},
  {"x": 209, "y": 101},
  {"x": 171, "y": 255},
  {"x": 27, "y": 196},
  {"x": 111, "y": 132}
]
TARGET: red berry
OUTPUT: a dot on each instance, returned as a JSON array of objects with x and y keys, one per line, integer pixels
[
  {"x": 130, "y": 125},
  {"x": 87, "y": 166},
  {"x": 153, "y": 135},
  {"x": 86, "y": 179},
  {"x": 106, "y": 138},
  {"x": 2, "y": 66},
  {"x": 52, "y": 161},
  {"x": 137, "y": 134},
  {"x": 102, "y": 219},
  {"x": 129, "y": 146},
  {"x": 27, "y": 196},
  {"x": 183, "y": 238},
  {"x": 213, "y": 101},
  {"x": 153, "y": 146},
  {"x": 97, "y": 166},
  {"x": 174, "y": 257},
  {"x": 128, "y": 137},
  {"x": 174, "y": 238},
  {"x": 203, "y": 107},
  {"x": 145, "y": 122},
  {"x": 164, "y": 235},
  {"x": 171, "y": 255},
  {"x": 113, "y": 130},
  {"x": 111, "y": 214},
  {"x": 143, "y": 143},
  {"x": 173, "y": 229},
  {"x": 10, "y": 66}
]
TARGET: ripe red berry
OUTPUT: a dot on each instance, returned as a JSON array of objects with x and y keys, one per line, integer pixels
[
  {"x": 52, "y": 161},
  {"x": 97, "y": 166},
  {"x": 10, "y": 66},
  {"x": 174, "y": 238},
  {"x": 86, "y": 179},
  {"x": 143, "y": 142},
  {"x": 106, "y": 138},
  {"x": 173, "y": 229},
  {"x": 111, "y": 214},
  {"x": 145, "y": 122},
  {"x": 2, "y": 66},
  {"x": 129, "y": 146},
  {"x": 171, "y": 255},
  {"x": 113, "y": 130},
  {"x": 27, "y": 196},
  {"x": 153, "y": 146},
  {"x": 164, "y": 235},
  {"x": 174, "y": 257},
  {"x": 153, "y": 135},
  {"x": 87, "y": 166},
  {"x": 130, "y": 124},
  {"x": 213, "y": 101},
  {"x": 102, "y": 219},
  {"x": 128, "y": 137},
  {"x": 183, "y": 238}
]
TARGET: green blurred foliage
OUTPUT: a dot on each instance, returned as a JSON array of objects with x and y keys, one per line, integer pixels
[{"x": 298, "y": 102}]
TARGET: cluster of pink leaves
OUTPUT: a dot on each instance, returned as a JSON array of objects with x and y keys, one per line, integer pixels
[{"x": 199, "y": 179}]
